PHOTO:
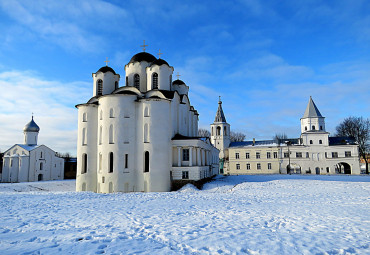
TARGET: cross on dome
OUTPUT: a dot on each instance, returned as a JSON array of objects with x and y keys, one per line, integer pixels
[
  {"x": 144, "y": 45},
  {"x": 159, "y": 53},
  {"x": 178, "y": 75},
  {"x": 106, "y": 61}
]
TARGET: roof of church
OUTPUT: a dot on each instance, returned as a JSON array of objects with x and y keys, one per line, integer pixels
[
  {"x": 220, "y": 116},
  {"x": 142, "y": 56},
  {"x": 182, "y": 137},
  {"x": 159, "y": 62},
  {"x": 178, "y": 82},
  {"x": 105, "y": 69},
  {"x": 28, "y": 147},
  {"x": 31, "y": 126},
  {"x": 311, "y": 111}
]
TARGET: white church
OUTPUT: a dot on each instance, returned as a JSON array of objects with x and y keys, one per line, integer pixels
[
  {"x": 29, "y": 162},
  {"x": 140, "y": 135}
]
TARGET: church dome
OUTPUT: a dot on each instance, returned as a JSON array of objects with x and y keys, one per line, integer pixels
[
  {"x": 142, "y": 56},
  {"x": 178, "y": 82},
  {"x": 31, "y": 127},
  {"x": 105, "y": 69},
  {"x": 159, "y": 62}
]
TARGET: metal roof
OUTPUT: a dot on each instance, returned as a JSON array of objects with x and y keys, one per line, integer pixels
[{"x": 311, "y": 110}]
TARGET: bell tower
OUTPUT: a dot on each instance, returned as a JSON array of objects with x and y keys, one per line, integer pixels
[{"x": 220, "y": 131}]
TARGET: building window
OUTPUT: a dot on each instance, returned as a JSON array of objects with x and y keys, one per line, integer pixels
[
  {"x": 313, "y": 127},
  {"x": 155, "y": 80},
  {"x": 84, "y": 136},
  {"x": 146, "y": 111},
  {"x": 100, "y": 161},
  {"x": 146, "y": 134},
  {"x": 225, "y": 131},
  {"x": 100, "y": 134},
  {"x": 258, "y": 166},
  {"x": 185, "y": 154},
  {"x": 116, "y": 85},
  {"x": 311, "y": 142},
  {"x": 347, "y": 154},
  {"x": 170, "y": 79},
  {"x": 111, "y": 115},
  {"x": 137, "y": 81},
  {"x": 320, "y": 127},
  {"x": 327, "y": 169},
  {"x": 326, "y": 155},
  {"x": 146, "y": 162},
  {"x": 100, "y": 87},
  {"x": 84, "y": 163},
  {"x": 111, "y": 134},
  {"x": 247, "y": 155},
  {"x": 237, "y": 155},
  {"x": 269, "y": 166},
  {"x": 298, "y": 154},
  {"x": 126, "y": 160},
  {"x": 84, "y": 117},
  {"x": 258, "y": 155},
  {"x": 40, "y": 154},
  {"x": 102, "y": 179},
  {"x": 248, "y": 166},
  {"x": 110, "y": 162},
  {"x": 101, "y": 114},
  {"x": 185, "y": 175},
  {"x": 286, "y": 154},
  {"x": 237, "y": 166},
  {"x": 126, "y": 80},
  {"x": 218, "y": 130},
  {"x": 41, "y": 166},
  {"x": 334, "y": 154},
  {"x": 307, "y": 155},
  {"x": 320, "y": 141},
  {"x": 39, "y": 177},
  {"x": 275, "y": 154},
  {"x": 305, "y": 128},
  {"x": 268, "y": 155}
]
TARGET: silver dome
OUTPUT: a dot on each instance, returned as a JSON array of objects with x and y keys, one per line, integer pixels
[{"x": 31, "y": 127}]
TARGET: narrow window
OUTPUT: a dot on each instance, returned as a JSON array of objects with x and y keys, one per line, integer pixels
[
  {"x": 237, "y": 166},
  {"x": 111, "y": 113},
  {"x": 307, "y": 154},
  {"x": 111, "y": 134},
  {"x": 126, "y": 160},
  {"x": 100, "y": 161},
  {"x": 311, "y": 142},
  {"x": 100, "y": 134},
  {"x": 185, "y": 175},
  {"x": 155, "y": 80},
  {"x": 126, "y": 80},
  {"x": 39, "y": 178},
  {"x": 137, "y": 81},
  {"x": 212, "y": 131},
  {"x": 305, "y": 128},
  {"x": 237, "y": 155},
  {"x": 185, "y": 154},
  {"x": 258, "y": 166},
  {"x": 101, "y": 114},
  {"x": 84, "y": 136},
  {"x": 218, "y": 130},
  {"x": 146, "y": 111},
  {"x": 84, "y": 117},
  {"x": 248, "y": 166},
  {"x": 146, "y": 162},
  {"x": 320, "y": 141},
  {"x": 225, "y": 131},
  {"x": 84, "y": 163},
  {"x": 116, "y": 85},
  {"x": 247, "y": 155},
  {"x": 268, "y": 155},
  {"x": 100, "y": 87},
  {"x": 41, "y": 166},
  {"x": 327, "y": 169},
  {"x": 41, "y": 154},
  {"x": 258, "y": 155},
  {"x": 275, "y": 154},
  {"x": 110, "y": 162},
  {"x": 170, "y": 79},
  {"x": 320, "y": 127},
  {"x": 146, "y": 136},
  {"x": 313, "y": 128},
  {"x": 269, "y": 166}
]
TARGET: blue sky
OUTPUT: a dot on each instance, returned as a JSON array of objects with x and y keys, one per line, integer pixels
[{"x": 265, "y": 58}]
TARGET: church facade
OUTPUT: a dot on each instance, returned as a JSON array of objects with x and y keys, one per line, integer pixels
[
  {"x": 29, "y": 162},
  {"x": 141, "y": 136},
  {"x": 313, "y": 153}
]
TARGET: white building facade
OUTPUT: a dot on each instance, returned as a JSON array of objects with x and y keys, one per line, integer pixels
[
  {"x": 30, "y": 162},
  {"x": 141, "y": 136}
]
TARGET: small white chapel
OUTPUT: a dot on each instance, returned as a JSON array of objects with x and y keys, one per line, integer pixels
[{"x": 29, "y": 162}]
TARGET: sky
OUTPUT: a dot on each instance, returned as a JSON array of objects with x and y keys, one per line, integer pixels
[{"x": 264, "y": 58}]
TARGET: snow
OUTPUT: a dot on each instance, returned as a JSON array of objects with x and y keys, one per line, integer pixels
[{"x": 264, "y": 214}]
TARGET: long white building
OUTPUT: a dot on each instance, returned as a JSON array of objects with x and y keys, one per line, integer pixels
[
  {"x": 30, "y": 162},
  {"x": 140, "y": 135}
]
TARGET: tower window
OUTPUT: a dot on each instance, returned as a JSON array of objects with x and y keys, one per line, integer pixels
[
  {"x": 185, "y": 154},
  {"x": 100, "y": 87},
  {"x": 110, "y": 162},
  {"x": 84, "y": 136},
  {"x": 126, "y": 160},
  {"x": 155, "y": 80},
  {"x": 41, "y": 166},
  {"x": 137, "y": 81},
  {"x": 111, "y": 134},
  {"x": 146, "y": 133},
  {"x": 84, "y": 117},
  {"x": 126, "y": 80},
  {"x": 320, "y": 127},
  {"x": 146, "y": 162},
  {"x": 111, "y": 115},
  {"x": 116, "y": 85},
  {"x": 84, "y": 163},
  {"x": 218, "y": 130}
]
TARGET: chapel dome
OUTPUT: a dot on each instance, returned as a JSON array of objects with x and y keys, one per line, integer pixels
[
  {"x": 31, "y": 127},
  {"x": 159, "y": 62},
  {"x": 142, "y": 56},
  {"x": 105, "y": 69},
  {"x": 178, "y": 82}
]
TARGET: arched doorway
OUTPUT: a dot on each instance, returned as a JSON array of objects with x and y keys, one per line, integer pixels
[
  {"x": 317, "y": 170},
  {"x": 39, "y": 178},
  {"x": 342, "y": 168},
  {"x": 295, "y": 168}
]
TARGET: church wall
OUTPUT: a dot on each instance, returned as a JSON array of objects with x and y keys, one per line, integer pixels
[
  {"x": 139, "y": 68},
  {"x": 23, "y": 169},
  {"x": 310, "y": 122},
  {"x": 164, "y": 72},
  {"x": 14, "y": 168},
  {"x": 87, "y": 180},
  {"x": 6, "y": 170}
]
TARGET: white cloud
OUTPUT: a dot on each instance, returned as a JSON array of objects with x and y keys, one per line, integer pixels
[{"x": 52, "y": 103}]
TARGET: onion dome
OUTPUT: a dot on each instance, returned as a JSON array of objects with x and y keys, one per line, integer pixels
[
  {"x": 178, "y": 82},
  {"x": 159, "y": 62},
  {"x": 105, "y": 69},
  {"x": 31, "y": 127},
  {"x": 142, "y": 56}
]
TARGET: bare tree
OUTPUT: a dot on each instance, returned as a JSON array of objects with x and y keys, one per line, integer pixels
[
  {"x": 236, "y": 136},
  {"x": 359, "y": 129},
  {"x": 202, "y": 132},
  {"x": 280, "y": 137}
]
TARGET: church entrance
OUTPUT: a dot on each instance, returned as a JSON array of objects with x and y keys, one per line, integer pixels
[
  {"x": 342, "y": 168},
  {"x": 39, "y": 178}
]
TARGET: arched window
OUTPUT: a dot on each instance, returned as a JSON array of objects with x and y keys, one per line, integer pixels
[
  {"x": 146, "y": 162},
  {"x": 111, "y": 115},
  {"x": 116, "y": 85},
  {"x": 155, "y": 80},
  {"x": 137, "y": 81},
  {"x": 146, "y": 136},
  {"x": 218, "y": 130},
  {"x": 311, "y": 142},
  {"x": 126, "y": 80},
  {"x": 84, "y": 136},
  {"x": 110, "y": 162},
  {"x": 84, "y": 117},
  {"x": 84, "y": 163},
  {"x": 320, "y": 141},
  {"x": 320, "y": 127},
  {"x": 100, "y": 87},
  {"x": 313, "y": 128},
  {"x": 40, "y": 154},
  {"x": 170, "y": 79},
  {"x": 100, "y": 134},
  {"x": 41, "y": 166},
  {"x": 225, "y": 131},
  {"x": 146, "y": 111},
  {"x": 111, "y": 134},
  {"x": 305, "y": 128}
]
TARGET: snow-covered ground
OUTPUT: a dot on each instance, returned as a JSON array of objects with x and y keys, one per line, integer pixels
[{"x": 276, "y": 214}]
